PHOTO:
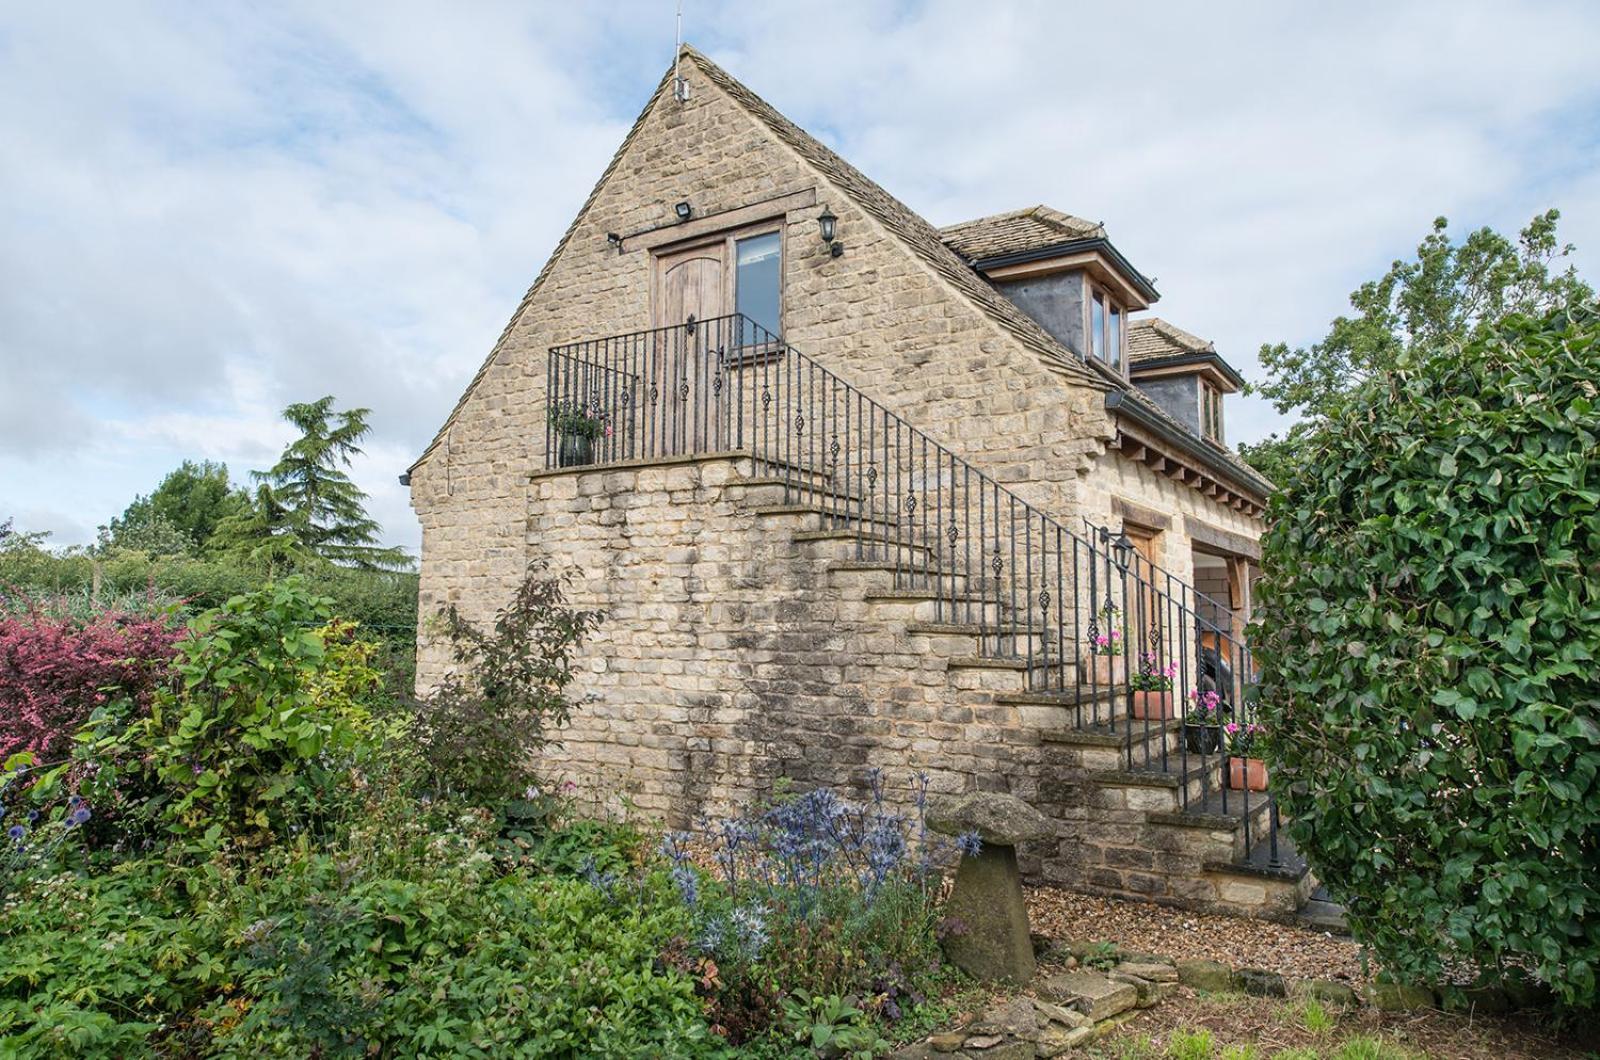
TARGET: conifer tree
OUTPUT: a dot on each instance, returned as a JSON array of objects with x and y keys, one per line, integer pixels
[{"x": 306, "y": 504}]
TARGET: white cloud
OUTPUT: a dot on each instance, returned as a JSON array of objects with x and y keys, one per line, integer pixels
[{"x": 211, "y": 216}]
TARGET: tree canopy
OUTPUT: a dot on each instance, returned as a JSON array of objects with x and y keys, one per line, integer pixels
[
  {"x": 306, "y": 504},
  {"x": 1448, "y": 295},
  {"x": 181, "y": 515}
]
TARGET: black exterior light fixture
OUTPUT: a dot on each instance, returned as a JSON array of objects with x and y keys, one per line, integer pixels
[
  {"x": 827, "y": 225},
  {"x": 615, "y": 241},
  {"x": 684, "y": 211},
  {"x": 1123, "y": 548}
]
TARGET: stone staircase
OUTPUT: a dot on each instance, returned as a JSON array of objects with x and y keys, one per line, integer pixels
[
  {"x": 1138, "y": 816},
  {"x": 805, "y": 585}
]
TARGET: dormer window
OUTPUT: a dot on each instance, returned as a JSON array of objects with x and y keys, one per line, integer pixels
[
  {"x": 1105, "y": 328},
  {"x": 1211, "y": 412}
]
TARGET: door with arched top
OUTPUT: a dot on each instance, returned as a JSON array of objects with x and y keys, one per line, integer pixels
[{"x": 691, "y": 286}]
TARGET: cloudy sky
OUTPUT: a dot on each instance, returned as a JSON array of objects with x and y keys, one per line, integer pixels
[{"x": 208, "y": 211}]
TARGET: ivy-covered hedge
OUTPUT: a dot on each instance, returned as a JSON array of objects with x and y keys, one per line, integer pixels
[{"x": 1428, "y": 627}]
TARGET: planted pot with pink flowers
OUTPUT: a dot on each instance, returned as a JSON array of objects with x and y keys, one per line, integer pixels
[
  {"x": 1202, "y": 726},
  {"x": 1152, "y": 688},
  {"x": 1245, "y": 772},
  {"x": 1105, "y": 648}
]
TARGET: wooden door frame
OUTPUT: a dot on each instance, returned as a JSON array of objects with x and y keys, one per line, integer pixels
[
  {"x": 657, "y": 274},
  {"x": 727, "y": 238}
]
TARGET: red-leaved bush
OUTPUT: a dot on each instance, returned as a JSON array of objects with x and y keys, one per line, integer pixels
[{"x": 54, "y": 670}]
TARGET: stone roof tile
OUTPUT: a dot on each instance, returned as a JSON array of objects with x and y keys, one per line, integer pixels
[{"x": 1016, "y": 231}]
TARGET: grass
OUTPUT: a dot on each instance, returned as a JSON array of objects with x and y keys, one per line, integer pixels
[{"x": 1189, "y": 1026}]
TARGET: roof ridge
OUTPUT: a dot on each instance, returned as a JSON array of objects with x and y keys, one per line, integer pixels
[
  {"x": 1169, "y": 330},
  {"x": 1042, "y": 212}
]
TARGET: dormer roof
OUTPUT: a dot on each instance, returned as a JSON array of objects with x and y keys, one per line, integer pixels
[
  {"x": 1039, "y": 240},
  {"x": 1159, "y": 346},
  {"x": 1016, "y": 231}
]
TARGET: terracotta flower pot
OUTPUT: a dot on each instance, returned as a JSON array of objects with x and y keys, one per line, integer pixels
[
  {"x": 1107, "y": 669},
  {"x": 1246, "y": 773},
  {"x": 1152, "y": 705}
]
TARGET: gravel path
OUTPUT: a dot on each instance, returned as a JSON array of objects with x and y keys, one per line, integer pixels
[{"x": 1295, "y": 952}]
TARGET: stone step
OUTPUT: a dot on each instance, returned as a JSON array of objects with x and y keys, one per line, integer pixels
[
  {"x": 854, "y": 540},
  {"x": 1225, "y": 822},
  {"x": 1110, "y": 745},
  {"x": 1156, "y": 790},
  {"x": 792, "y": 470},
  {"x": 821, "y": 495},
  {"x": 817, "y": 518},
  {"x": 1259, "y": 884}
]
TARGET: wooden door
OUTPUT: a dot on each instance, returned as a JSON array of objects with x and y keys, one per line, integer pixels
[
  {"x": 690, "y": 286},
  {"x": 1146, "y": 621}
]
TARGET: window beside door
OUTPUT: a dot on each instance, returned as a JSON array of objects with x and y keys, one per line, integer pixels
[{"x": 758, "y": 283}]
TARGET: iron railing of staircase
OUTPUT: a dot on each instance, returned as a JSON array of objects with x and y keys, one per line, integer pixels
[
  {"x": 1092, "y": 626},
  {"x": 1170, "y": 619}
]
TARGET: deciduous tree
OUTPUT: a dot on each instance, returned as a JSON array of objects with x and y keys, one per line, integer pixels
[{"x": 1449, "y": 294}]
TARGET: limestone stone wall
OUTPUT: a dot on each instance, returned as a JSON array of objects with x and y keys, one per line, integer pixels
[
  {"x": 1114, "y": 475},
  {"x": 878, "y": 316},
  {"x": 731, "y": 657}
]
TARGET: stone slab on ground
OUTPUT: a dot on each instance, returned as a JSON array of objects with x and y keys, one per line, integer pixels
[
  {"x": 1329, "y": 991},
  {"x": 1149, "y": 993},
  {"x": 1053, "y": 1013},
  {"x": 1091, "y": 993},
  {"x": 1398, "y": 997},
  {"x": 1260, "y": 983},
  {"x": 1005, "y": 1050},
  {"x": 1057, "y": 1040},
  {"x": 1014, "y": 1020},
  {"x": 1212, "y": 976},
  {"x": 1155, "y": 972}
]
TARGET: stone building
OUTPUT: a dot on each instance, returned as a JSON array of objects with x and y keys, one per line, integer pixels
[{"x": 858, "y": 492}]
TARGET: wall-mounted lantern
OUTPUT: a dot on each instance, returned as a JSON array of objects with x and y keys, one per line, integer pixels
[
  {"x": 1123, "y": 549},
  {"x": 615, "y": 241},
  {"x": 684, "y": 211},
  {"x": 827, "y": 226}
]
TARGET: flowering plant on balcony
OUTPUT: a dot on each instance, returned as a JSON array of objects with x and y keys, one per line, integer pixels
[
  {"x": 1242, "y": 739},
  {"x": 1152, "y": 676},
  {"x": 580, "y": 419}
]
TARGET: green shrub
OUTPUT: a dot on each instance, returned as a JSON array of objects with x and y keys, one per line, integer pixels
[
  {"x": 1428, "y": 626},
  {"x": 481, "y": 729},
  {"x": 400, "y": 940},
  {"x": 249, "y": 737}
]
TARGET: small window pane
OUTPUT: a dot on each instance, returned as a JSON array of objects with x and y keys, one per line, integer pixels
[
  {"x": 1097, "y": 327},
  {"x": 1114, "y": 338},
  {"x": 758, "y": 281}
]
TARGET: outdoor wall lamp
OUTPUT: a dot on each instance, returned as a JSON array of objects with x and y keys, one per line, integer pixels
[
  {"x": 827, "y": 225},
  {"x": 615, "y": 241},
  {"x": 684, "y": 211},
  {"x": 1122, "y": 547}
]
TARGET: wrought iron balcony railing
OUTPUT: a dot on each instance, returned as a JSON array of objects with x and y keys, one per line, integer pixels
[{"x": 1128, "y": 648}]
